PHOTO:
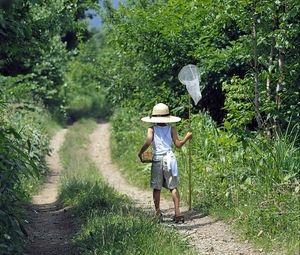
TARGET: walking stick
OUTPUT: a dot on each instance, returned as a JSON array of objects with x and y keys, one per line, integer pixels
[
  {"x": 190, "y": 160},
  {"x": 189, "y": 75}
]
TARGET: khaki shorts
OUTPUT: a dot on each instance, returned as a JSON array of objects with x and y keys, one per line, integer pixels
[{"x": 161, "y": 176}]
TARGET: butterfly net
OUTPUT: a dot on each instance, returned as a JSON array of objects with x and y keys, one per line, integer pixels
[{"x": 189, "y": 75}]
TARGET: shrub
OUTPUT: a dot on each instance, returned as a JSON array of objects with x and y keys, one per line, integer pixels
[
  {"x": 251, "y": 178},
  {"x": 23, "y": 145}
]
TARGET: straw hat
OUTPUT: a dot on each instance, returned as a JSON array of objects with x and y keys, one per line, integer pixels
[{"x": 161, "y": 114}]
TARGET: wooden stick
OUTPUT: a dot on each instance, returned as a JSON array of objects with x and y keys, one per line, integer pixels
[{"x": 190, "y": 160}]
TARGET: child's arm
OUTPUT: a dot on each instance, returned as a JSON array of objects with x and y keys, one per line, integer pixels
[
  {"x": 178, "y": 143},
  {"x": 149, "y": 140}
]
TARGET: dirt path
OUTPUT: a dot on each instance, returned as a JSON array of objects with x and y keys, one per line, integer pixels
[
  {"x": 208, "y": 235},
  {"x": 50, "y": 226}
]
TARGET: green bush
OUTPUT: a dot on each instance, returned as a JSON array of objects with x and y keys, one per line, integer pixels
[
  {"x": 249, "y": 178},
  {"x": 23, "y": 146},
  {"x": 79, "y": 106},
  {"x": 86, "y": 105}
]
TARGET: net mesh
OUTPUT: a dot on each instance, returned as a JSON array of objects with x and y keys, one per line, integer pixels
[{"x": 189, "y": 75}]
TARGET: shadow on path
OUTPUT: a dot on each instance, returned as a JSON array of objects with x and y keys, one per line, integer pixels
[{"x": 50, "y": 229}]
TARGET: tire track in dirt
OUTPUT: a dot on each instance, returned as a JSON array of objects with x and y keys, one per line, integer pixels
[
  {"x": 50, "y": 226},
  {"x": 207, "y": 235}
]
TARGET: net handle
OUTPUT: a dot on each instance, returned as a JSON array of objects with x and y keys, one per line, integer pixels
[{"x": 190, "y": 158}]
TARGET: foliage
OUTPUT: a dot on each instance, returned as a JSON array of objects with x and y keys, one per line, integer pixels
[
  {"x": 150, "y": 41},
  {"x": 239, "y": 107},
  {"x": 23, "y": 146},
  {"x": 83, "y": 94},
  {"x": 36, "y": 39},
  {"x": 253, "y": 179},
  {"x": 249, "y": 59},
  {"x": 110, "y": 225}
]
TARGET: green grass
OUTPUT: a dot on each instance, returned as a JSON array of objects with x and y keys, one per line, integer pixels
[
  {"x": 250, "y": 181},
  {"x": 110, "y": 225}
]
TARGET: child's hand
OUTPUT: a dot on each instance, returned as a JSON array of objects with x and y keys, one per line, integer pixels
[{"x": 189, "y": 135}]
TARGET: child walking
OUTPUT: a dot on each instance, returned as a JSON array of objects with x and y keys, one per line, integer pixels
[{"x": 164, "y": 171}]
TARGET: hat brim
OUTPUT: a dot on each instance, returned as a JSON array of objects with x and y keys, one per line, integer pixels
[{"x": 166, "y": 119}]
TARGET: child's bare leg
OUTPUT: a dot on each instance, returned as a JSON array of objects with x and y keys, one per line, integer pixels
[
  {"x": 156, "y": 199},
  {"x": 176, "y": 200}
]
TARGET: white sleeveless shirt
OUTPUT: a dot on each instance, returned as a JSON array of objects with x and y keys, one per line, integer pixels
[
  {"x": 162, "y": 145},
  {"x": 162, "y": 140}
]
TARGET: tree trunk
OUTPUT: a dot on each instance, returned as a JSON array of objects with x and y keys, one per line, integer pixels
[
  {"x": 281, "y": 62},
  {"x": 271, "y": 59},
  {"x": 255, "y": 62},
  {"x": 281, "y": 59}
]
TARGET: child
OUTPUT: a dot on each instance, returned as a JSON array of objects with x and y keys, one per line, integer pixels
[{"x": 164, "y": 172}]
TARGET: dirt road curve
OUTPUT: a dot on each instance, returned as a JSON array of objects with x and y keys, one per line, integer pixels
[
  {"x": 208, "y": 236},
  {"x": 50, "y": 226}
]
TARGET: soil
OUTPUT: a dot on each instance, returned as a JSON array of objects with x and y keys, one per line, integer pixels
[
  {"x": 50, "y": 225},
  {"x": 206, "y": 234}
]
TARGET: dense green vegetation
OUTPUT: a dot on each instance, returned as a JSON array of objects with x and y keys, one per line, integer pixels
[
  {"x": 83, "y": 92},
  {"x": 23, "y": 146},
  {"x": 247, "y": 54},
  {"x": 37, "y": 39},
  {"x": 110, "y": 225}
]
